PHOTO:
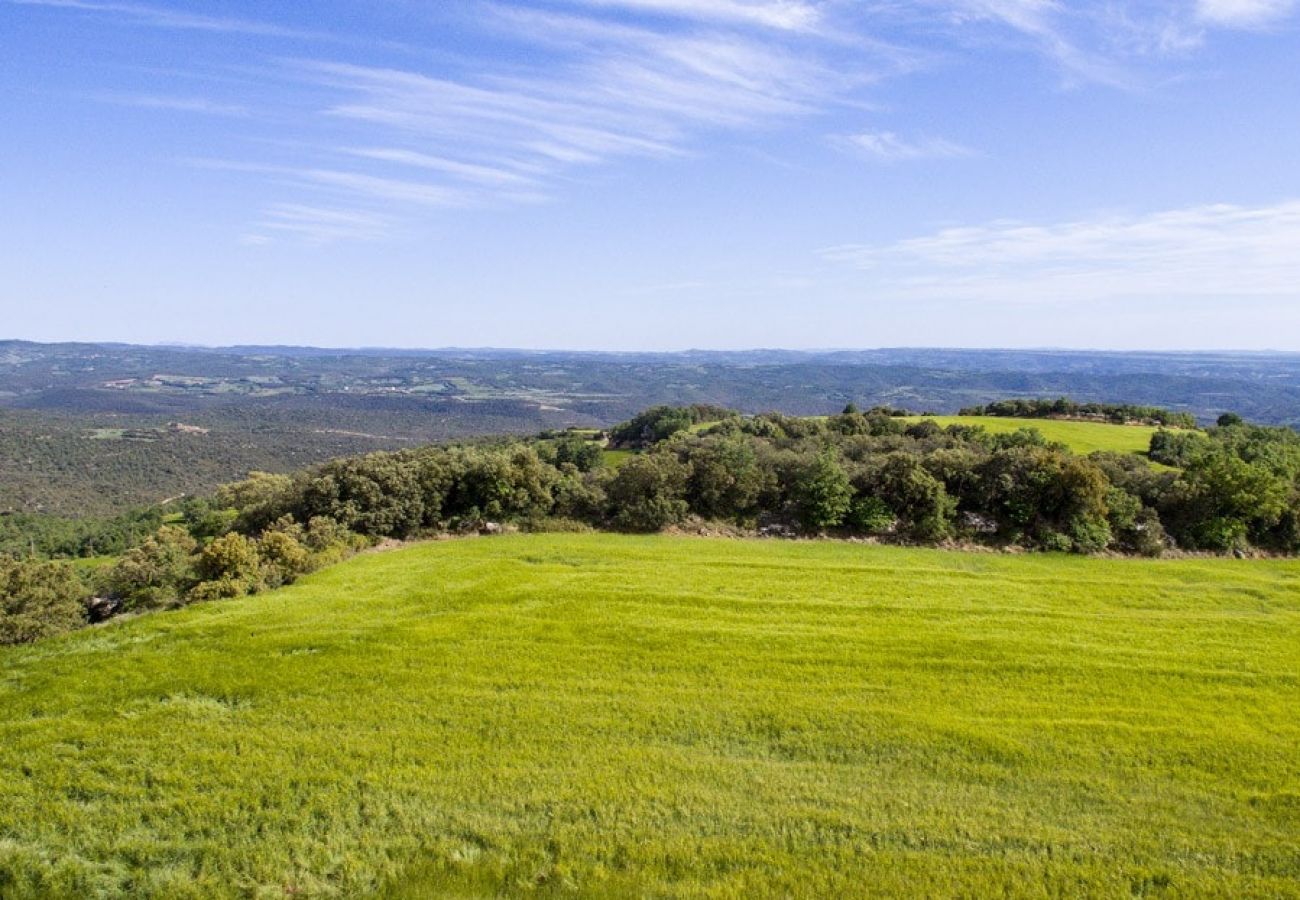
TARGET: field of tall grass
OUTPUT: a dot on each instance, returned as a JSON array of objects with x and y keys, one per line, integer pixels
[
  {"x": 602, "y": 715},
  {"x": 1081, "y": 437}
]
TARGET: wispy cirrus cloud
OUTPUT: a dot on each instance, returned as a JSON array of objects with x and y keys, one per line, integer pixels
[
  {"x": 1222, "y": 251},
  {"x": 560, "y": 88},
  {"x": 1244, "y": 13},
  {"x": 790, "y": 15},
  {"x": 161, "y": 17},
  {"x": 886, "y": 146},
  {"x": 318, "y": 225},
  {"x": 1111, "y": 44},
  {"x": 395, "y": 190},
  {"x": 474, "y": 172},
  {"x": 619, "y": 91},
  {"x": 201, "y": 105}
]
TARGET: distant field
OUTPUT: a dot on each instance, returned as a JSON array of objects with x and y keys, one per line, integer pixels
[
  {"x": 1081, "y": 437},
  {"x": 616, "y": 458},
  {"x": 673, "y": 717},
  {"x": 94, "y": 563}
]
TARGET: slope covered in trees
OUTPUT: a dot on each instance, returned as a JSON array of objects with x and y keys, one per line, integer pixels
[
  {"x": 1234, "y": 488},
  {"x": 99, "y": 429}
]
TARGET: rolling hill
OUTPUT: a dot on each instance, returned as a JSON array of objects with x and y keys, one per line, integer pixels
[{"x": 607, "y": 715}]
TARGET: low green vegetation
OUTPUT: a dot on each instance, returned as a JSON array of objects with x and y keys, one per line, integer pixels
[
  {"x": 880, "y": 474},
  {"x": 610, "y": 715},
  {"x": 1081, "y": 437},
  {"x": 1065, "y": 408},
  {"x": 615, "y": 458},
  {"x": 662, "y": 422}
]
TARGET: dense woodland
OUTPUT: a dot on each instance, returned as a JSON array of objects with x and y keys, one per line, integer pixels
[
  {"x": 88, "y": 429},
  {"x": 1234, "y": 488}
]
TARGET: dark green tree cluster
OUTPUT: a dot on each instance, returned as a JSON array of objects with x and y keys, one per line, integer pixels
[
  {"x": 867, "y": 473},
  {"x": 1231, "y": 488},
  {"x": 1239, "y": 486},
  {"x": 662, "y": 422},
  {"x": 172, "y": 568},
  {"x": 28, "y": 534}
]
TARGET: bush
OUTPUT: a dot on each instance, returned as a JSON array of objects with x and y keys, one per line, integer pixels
[
  {"x": 1042, "y": 494},
  {"x": 229, "y": 566},
  {"x": 870, "y": 515},
  {"x": 823, "y": 492},
  {"x": 284, "y": 557},
  {"x": 923, "y": 507},
  {"x": 39, "y": 599},
  {"x": 726, "y": 480},
  {"x": 648, "y": 493},
  {"x": 662, "y": 422},
  {"x": 156, "y": 574}
]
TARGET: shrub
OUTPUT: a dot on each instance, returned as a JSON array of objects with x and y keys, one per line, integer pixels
[
  {"x": 661, "y": 422},
  {"x": 229, "y": 566},
  {"x": 39, "y": 599},
  {"x": 648, "y": 493},
  {"x": 156, "y": 574},
  {"x": 823, "y": 492},
  {"x": 1043, "y": 494},
  {"x": 870, "y": 515},
  {"x": 1221, "y": 502},
  {"x": 283, "y": 555},
  {"x": 923, "y": 507},
  {"x": 726, "y": 480}
]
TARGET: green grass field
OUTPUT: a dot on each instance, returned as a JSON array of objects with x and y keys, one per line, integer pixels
[
  {"x": 600, "y": 715},
  {"x": 1081, "y": 437},
  {"x": 615, "y": 458}
]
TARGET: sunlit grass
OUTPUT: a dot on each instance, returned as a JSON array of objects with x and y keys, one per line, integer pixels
[
  {"x": 1081, "y": 437},
  {"x": 615, "y": 458},
  {"x": 672, "y": 717}
]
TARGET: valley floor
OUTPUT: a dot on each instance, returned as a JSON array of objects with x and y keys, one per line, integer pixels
[{"x": 605, "y": 715}]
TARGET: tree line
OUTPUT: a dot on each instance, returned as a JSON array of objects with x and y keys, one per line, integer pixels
[{"x": 1231, "y": 488}]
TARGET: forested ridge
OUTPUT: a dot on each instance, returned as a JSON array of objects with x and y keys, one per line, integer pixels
[
  {"x": 90, "y": 429},
  {"x": 1233, "y": 488}
]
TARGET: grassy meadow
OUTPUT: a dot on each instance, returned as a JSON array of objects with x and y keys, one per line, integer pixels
[
  {"x": 599, "y": 715},
  {"x": 1081, "y": 437}
]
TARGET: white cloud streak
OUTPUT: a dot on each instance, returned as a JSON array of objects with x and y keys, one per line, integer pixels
[
  {"x": 157, "y": 17},
  {"x": 787, "y": 15},
  {"x": 886, "y": 146},
  {"x": 571, "y": 85},
  {"x": 390, "y": 189},
  {"x": 1244, "y": 13},
  {"x": 480, "y": 174},
  {"x": 318, "y": 225},
  {"x": 200, "y": 105},
  {"x": 621, "y": 91},
  {"x": 1221, "y": 251}
]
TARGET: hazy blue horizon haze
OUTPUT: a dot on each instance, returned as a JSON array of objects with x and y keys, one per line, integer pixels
[{"x": 652, "y": 174}]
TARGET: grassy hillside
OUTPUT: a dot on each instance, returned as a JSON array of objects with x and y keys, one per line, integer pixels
[
  {"x": 1081, "y": 437},
  {"x": 672, "y": 716}
]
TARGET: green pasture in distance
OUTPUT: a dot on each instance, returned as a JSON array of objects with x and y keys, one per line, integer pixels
[
  {"x": 601, "y": 715},
  {"x": 1081, "y": 437},
  {"x": 615, "y": 458}
]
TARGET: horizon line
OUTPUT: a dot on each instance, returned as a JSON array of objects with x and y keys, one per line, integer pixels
[{"x": 806, "y": 351}]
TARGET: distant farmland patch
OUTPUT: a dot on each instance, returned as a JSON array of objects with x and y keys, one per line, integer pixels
[{"x": 1081, "y": 437}]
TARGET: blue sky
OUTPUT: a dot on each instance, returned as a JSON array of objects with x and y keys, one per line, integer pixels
[{"x": 653, "y": 174}]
